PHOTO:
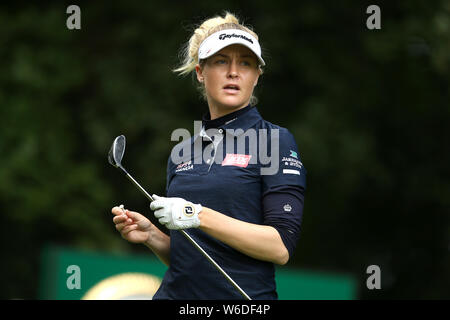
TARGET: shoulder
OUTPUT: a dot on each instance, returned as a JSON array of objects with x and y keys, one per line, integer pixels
[
  {"x": 275, "y": 131},
  {"x": 181, "y": 152},
  {"x": 264, "y": 124}
]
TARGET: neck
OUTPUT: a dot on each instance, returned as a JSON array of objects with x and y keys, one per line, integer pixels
[
  {"x": 223, "y": 120},
  {"x": 219, "y": 111}
]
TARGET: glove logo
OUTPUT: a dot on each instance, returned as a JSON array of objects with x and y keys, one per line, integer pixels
[{"x": 188, "y": 210}]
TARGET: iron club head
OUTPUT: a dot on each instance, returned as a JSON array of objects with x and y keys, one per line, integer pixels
[
  {"x": 117, "y": 151},
  {"x": 115, "y": 156}
]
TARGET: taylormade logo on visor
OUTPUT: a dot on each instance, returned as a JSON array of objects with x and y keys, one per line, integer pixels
[{"x": 225, "y": 36}]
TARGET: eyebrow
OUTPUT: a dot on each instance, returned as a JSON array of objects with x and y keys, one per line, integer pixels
[
  {"x": 221, "y": 55},
  {"x": 226, "y": 56}
]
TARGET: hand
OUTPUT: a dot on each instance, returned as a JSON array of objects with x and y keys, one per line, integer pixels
[
  {"x": 133, "y": 226},
  {"x": 176, "y": 213}
]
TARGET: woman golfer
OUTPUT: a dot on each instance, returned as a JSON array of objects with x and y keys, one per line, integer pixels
[{"x": 236, "y": 187}]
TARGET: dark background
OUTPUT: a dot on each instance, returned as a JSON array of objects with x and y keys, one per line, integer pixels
[{"x": 369, "y": 110}]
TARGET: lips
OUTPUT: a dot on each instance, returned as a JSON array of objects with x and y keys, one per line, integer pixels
[{"x": 231, "y": 88}]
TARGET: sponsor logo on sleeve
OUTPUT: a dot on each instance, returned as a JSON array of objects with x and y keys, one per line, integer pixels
[
  {"x": 291, "y": 161},
  {"x": 291, "y": 171},
  {"x": 185, "y": 166}
]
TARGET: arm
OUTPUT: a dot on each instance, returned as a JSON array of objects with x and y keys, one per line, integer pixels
[
  {"x": 261, "y": 242},
  {"x": 159, "y": 243},
  {"x": 136, "y": 228},
  {"x": 257, "y": 241}
]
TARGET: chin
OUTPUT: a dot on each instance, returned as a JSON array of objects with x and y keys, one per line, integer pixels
[{"x": 233, "y": 103}]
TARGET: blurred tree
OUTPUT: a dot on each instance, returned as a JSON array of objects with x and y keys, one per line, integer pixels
[{"x": 369, "y": 110}]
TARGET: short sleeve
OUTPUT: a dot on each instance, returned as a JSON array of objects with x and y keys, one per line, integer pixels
[{"x": 286, "y": 167}]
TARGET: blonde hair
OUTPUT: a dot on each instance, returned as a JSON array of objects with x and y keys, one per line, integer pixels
[{"x": 189, "y": 53}]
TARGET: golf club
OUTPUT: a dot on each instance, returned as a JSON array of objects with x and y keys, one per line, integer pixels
[{"x": 115, "y": 156}]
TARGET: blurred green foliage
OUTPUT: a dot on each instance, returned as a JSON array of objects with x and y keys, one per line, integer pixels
[{"x": 369, "y": 110}]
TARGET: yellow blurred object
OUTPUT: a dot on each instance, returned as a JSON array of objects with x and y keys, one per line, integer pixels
[{"x": 125, "y": 286}]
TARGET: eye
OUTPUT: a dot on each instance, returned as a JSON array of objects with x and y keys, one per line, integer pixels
[
  {"x": 248, "y": 62},
  {"x": 220, "y": 61}
]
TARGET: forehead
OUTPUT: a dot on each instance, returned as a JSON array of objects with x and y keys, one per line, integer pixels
[{"x": 236, "y": 49}]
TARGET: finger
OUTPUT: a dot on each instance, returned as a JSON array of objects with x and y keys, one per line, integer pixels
[
  {"x": 133, "y": 215},
  {"x": 164, "y": 220},
  {"x": 159, "y": 213},
  {"x": 129, "y": 228},
  {"x": 119, "y": 219},
  {"x": 156, "y": 197},
  {"x": 157, "y": 204},
  {"x": 120, "y": 226},
  {"x": 117, "y": 211},
  {"x": 123, "y": 222},
  {"x": 126, "y": 221}
]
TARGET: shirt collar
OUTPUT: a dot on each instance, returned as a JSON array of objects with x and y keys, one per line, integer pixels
[
  {"x": 224, "y": 120},
  {"x": 241, "y": 119}
]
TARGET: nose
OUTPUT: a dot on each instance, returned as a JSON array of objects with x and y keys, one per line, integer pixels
[{"x": 233, "y": 70}]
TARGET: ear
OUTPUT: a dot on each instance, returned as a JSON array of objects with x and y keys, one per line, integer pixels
[
  {"x": 256, "y": 80},
  {"x": 199, "y": 72}
]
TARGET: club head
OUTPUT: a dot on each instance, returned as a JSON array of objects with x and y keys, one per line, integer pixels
[{"x": 117, "y": 151}]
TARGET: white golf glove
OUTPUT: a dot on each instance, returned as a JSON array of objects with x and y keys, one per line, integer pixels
[{"x": 176, "y": 213}]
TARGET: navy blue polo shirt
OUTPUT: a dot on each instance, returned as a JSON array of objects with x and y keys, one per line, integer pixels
[{"x": 249, "y": 169}]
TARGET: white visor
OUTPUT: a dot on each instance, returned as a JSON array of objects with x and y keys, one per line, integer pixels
[{"x": 221, "y": 39}]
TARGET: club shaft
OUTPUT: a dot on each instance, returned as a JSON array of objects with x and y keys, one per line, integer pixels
[
  {"x": 149, "y": 197},
  {"x": 214, "y": 263},
  {"x": 194, "y": 243}
]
